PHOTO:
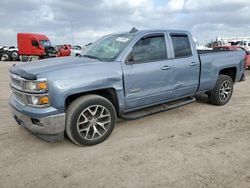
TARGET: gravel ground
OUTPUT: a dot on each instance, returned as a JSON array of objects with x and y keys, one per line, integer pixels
[{"x": 198, "y": 145}]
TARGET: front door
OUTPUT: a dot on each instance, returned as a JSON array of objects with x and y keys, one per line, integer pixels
[{"x": 148, "y": 75}]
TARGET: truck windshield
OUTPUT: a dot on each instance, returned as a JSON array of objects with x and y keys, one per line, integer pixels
[
  {"x": 107, "y": 48},
  {"x": 45, "y": 43}
]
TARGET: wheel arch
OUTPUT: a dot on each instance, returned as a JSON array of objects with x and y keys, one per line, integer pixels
[
  {"x": 108, "y": 93},
  {"x": 231, "y": 71}
]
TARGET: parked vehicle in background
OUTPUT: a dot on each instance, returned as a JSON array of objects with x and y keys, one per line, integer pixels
[
  {"x": 14, "y": 53},
  {"x": 118, "y": 75},
  {"x": 63, "y": 50},
  {"x": 76, "y": 51},
  {"x": 235, "y": 48},
  {"x": 243, "y": 42},
  {"x": 34, "y": 46},
  {"x": 4, "y": 54},
  {"x": 9, "y": 53}
]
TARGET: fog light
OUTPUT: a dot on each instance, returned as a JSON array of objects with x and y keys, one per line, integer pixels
[{"x": 36, "y": 122}]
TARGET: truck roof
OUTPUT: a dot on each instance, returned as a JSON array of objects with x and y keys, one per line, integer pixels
[
  {"x": 38, "y": 36},
  {"x": 153, "y": 30}
]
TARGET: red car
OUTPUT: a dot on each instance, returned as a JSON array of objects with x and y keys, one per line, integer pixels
[
  {"x": 63, "y": 50},
  {"x": 235, "y": 48}
]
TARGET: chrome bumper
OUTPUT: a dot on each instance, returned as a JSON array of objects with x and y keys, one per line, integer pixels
[{"x": 49, "y": 125}]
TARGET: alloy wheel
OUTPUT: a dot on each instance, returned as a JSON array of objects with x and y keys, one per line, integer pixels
[
  {"x": 225, "y": 91},
  {"x": 93, "y": 122}
]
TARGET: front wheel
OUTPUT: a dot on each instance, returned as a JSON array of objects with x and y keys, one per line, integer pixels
[
  {"x": 14, "y": 55},
  {"x": 222, "y": 91},
  {"x": 90, "y": 120}
]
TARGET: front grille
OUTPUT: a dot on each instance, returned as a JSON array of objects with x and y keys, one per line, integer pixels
[
  {"x": 16, "y": 82},
  {"x": 19, "y": 97},
  {"x": 17, "y": 85}
]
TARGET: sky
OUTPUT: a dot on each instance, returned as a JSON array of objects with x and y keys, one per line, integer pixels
[{"x": 80, "y": 22}]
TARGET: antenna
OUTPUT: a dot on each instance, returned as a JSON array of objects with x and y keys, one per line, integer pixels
[{"x": 133, "y": 30}]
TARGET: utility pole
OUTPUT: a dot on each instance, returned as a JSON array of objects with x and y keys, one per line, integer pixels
[{"x": 72, "y": 35}]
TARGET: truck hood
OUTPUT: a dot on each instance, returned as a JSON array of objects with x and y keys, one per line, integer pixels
[{"x": 55, "y": 67}]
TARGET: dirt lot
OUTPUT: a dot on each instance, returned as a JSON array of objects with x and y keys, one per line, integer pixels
[{"x": 198, "y": 145}]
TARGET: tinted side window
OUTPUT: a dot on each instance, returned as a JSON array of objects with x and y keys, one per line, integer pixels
[
  {"x": 148, "y": 49},
  {"x": 34, "y": 43},
  {"x": 181, "y": 44}
]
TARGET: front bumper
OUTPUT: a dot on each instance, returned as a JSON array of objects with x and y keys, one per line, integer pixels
[{"x": 48, "y": 125}]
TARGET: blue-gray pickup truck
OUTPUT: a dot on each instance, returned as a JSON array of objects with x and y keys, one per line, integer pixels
[{"x": 126, "y": 75}]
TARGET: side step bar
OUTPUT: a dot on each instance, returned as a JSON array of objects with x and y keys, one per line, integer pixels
[{"x": 156, "y": 109}]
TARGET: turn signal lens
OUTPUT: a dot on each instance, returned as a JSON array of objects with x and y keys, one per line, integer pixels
[
  {"x": 43, "y": 100},
  {"x": 41, "y": 85}
]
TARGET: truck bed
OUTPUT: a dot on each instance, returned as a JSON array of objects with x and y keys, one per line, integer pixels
[{"x": 211, "y": 62}]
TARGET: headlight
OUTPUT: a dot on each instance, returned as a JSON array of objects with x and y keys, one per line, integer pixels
[
  {"x": 36, "y": 86},
  {"x": 40, "y": 100}
]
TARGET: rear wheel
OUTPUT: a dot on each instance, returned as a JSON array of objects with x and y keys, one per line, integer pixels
[
  {"x": 222, "y": 91},
  {"x": 90, "y": 120},
  {"x": 5, "y": 56}
]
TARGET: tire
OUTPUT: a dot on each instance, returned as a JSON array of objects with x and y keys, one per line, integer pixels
[
  {"x": 14, "y": 55},
  {"x": 222, "y": 92},
  {"x": 5, "y": 56},
  {"x": 89, "y": 114}
]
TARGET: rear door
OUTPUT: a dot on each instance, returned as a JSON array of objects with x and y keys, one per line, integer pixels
[
  {"x": 148, "y": 75},
  {"x": 186, "y": 65}
]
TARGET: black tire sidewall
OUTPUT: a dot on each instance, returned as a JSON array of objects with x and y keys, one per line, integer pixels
[
  {"x": 15, "y": 58},
  {"x": 3, "y": 53},
  {"x": 214, "y": 96},
  {"x": 82, "y": 106}
]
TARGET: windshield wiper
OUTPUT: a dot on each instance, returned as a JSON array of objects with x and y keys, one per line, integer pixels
[{"x": 91, "y": 57}]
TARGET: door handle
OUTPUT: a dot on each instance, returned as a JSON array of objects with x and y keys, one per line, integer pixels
[
  {"x": 193, "y": 64},
  {"x": 165, "y": 67}
]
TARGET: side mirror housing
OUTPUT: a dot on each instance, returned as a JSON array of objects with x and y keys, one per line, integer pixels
[{"x": 130, "y": 58}]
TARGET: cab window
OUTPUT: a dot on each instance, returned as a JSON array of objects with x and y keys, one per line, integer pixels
[
  {"x": 148, "y": 49},
  {"x": 35, "y": 43},
  {"x": 182, "y": 47}
]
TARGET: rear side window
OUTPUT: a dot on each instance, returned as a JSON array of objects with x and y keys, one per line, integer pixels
[{"x": 182, "y": 47}]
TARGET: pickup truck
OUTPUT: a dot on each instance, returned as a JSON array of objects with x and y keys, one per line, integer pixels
[{"x": 127, "y": 75}]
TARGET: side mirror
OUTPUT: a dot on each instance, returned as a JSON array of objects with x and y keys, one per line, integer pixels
[{"x": 130, "y": 58}]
